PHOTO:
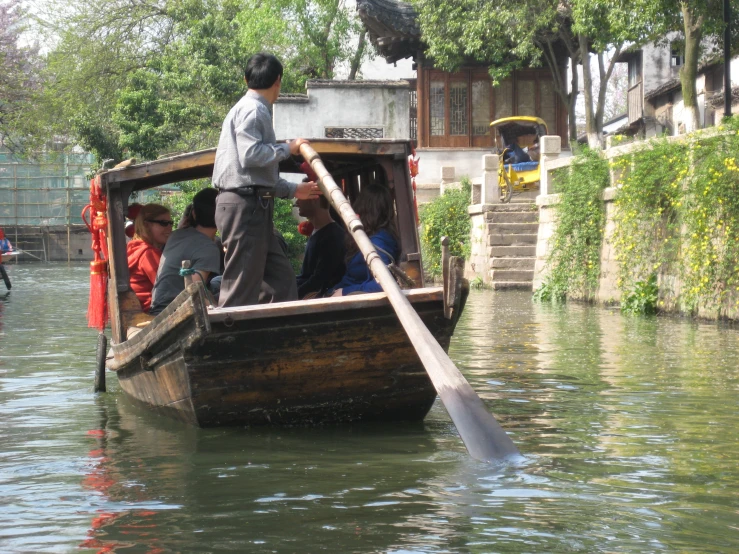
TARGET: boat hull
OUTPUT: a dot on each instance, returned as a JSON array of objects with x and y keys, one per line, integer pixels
[{"x": 320, "y": 366}]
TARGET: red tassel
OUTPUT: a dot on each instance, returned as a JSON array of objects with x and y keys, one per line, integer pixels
[{"x": 97, "y": 307}]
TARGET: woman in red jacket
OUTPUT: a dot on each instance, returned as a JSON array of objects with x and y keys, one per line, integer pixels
[{"x": 153, "y": 225}]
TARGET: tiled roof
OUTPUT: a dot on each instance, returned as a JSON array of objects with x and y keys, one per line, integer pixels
[
  {"x": 392, "y": 26},
  {"x": 360, "y": 83},
  {"x": 716, "y": 100},
  {"x": 292, "y": 97},
  {"x": 664, "y": 88}
]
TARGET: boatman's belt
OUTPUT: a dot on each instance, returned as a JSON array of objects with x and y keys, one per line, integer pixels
[{"x": 259, "y": 192}]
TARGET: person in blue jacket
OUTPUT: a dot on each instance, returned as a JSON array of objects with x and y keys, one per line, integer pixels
[{"x": 374, "y": 206}]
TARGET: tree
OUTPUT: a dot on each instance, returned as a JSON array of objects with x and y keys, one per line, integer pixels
[
  {"x": 19, "y": 67},
  {"x": 530, "y": 31},
  {"x": 701, "y": 24},
  {"x": 140, "y": 78},
  {"x": 521, "y": 34},
  {"x": 700, "y": 19}
]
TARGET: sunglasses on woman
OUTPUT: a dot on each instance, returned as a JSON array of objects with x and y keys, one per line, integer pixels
[{"x": 162, "y": 222}]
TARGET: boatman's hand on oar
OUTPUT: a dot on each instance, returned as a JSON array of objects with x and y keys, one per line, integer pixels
[
  {"x": 308, "y": 191},
  {"x": 295, "y": 145}
]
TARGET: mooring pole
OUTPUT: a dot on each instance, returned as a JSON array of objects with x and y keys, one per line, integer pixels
[{"x": 727, "y": 59}]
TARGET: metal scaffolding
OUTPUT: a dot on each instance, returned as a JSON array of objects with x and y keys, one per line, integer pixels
[{"x": 50, "y": 191}]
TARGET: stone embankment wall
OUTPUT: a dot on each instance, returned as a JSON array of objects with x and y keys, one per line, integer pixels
[
  {"x": 56, "y": 243},
  {"x": 608, "y": 290}
]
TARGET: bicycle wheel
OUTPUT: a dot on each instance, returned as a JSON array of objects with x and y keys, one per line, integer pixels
[{"x": 506, "y": 187}]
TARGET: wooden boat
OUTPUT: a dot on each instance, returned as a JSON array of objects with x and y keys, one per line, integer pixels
[{"x": 302, "y": 362}]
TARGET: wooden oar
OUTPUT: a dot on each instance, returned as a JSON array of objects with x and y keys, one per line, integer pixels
[{"x": 484, "y": 438}]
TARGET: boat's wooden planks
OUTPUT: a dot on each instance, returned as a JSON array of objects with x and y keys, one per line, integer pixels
[
  {"x": 183, "y": 167},
  {"x": 307, "y": 372},
  {"x": 181, "y": 410},
  {"x": 213, "y": 410},
  {"x": 167, "y": 386},
  {"x": 345, "y": 365},
  {"x": 317, "y": 332}
]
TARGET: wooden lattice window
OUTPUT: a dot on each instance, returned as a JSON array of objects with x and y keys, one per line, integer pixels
[
  {"x": 458, "y": 117},
  {"x": 437, "y": 101}
]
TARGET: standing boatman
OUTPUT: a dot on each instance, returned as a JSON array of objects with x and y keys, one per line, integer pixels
[{"x": 246, "y": 174}]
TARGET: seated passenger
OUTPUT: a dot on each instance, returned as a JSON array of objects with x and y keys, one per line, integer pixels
[
  {"x": 514, "y": 154},
  {"x": 534, "y": 151},
  {"x": 323, "y": 264},
  {"x": 374, "y": 206},
  {"x": 152, "y": 228},
  {"x": 194, "y": 243}
]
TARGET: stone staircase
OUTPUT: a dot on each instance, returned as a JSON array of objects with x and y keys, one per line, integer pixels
[{"x": 512, "y": 233}]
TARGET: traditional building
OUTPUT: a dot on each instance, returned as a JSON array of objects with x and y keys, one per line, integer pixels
[
  {"x": 655, "y": 104},
  {"x": 453, "y": 110}
]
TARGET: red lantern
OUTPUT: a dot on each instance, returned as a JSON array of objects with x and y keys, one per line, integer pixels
[
  {"x": 305, "y": 228},
  {"x": 413, "y": 168}
]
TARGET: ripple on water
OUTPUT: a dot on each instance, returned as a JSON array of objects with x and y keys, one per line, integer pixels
[{"x": 628, "y": 427}]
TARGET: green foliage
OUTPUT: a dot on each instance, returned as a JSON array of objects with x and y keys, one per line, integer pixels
[
  {"x": 647, "y": 235},
  {"x": 19, "y": 66},
  {"x": 574, "y": 262},
  {"x": 679, "y": 202},
  {"x": 446, "y": 215},
  {"x": 477, "y": 283},
  {"x": 178, "y": 201},
  {"x": 287, "y": 225},
  {"x": 550, "y": 292},
  {"x": 145, "y": 78},
  {"x": 643, "y": 298}
]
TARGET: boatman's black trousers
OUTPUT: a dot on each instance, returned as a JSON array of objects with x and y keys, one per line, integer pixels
[{"x": 253, "y": 252}]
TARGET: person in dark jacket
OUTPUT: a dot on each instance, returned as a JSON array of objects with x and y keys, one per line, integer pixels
[
  {"x": 375, "y": 208},
  {"x": 515, "y": 154},
  {"x": 323, "y": 264}
]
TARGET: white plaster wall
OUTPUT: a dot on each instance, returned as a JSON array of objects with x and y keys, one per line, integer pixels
[
  {"x": 734, "y": 71},
  {"x": 466, "y": 161},
  {"x": 656, "y": 66},
  {"x": 350, "y": 106}
]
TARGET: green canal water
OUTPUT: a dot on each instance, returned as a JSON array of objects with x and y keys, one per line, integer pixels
[{"x": 629, "y": 427}]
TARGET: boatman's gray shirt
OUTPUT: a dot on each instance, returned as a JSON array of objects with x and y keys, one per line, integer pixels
[{"x": 247, "y": 155}]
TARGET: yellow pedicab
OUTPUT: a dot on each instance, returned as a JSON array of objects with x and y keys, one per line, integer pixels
[{"x": 525, "y": 132}]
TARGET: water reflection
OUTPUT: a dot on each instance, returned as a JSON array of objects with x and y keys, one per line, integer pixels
[
  {"x": 159, "y": 480},
  {"x": 628, "y": 426}
]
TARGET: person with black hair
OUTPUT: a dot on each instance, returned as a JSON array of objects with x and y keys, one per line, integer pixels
[
  {"x": 323, "y": 264},
  {"x": 194, "y": 243},
  {"x": 514, "y": 154},
  {"x": 246, "y": 174},
  {"x": 376, "y": 208}
]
